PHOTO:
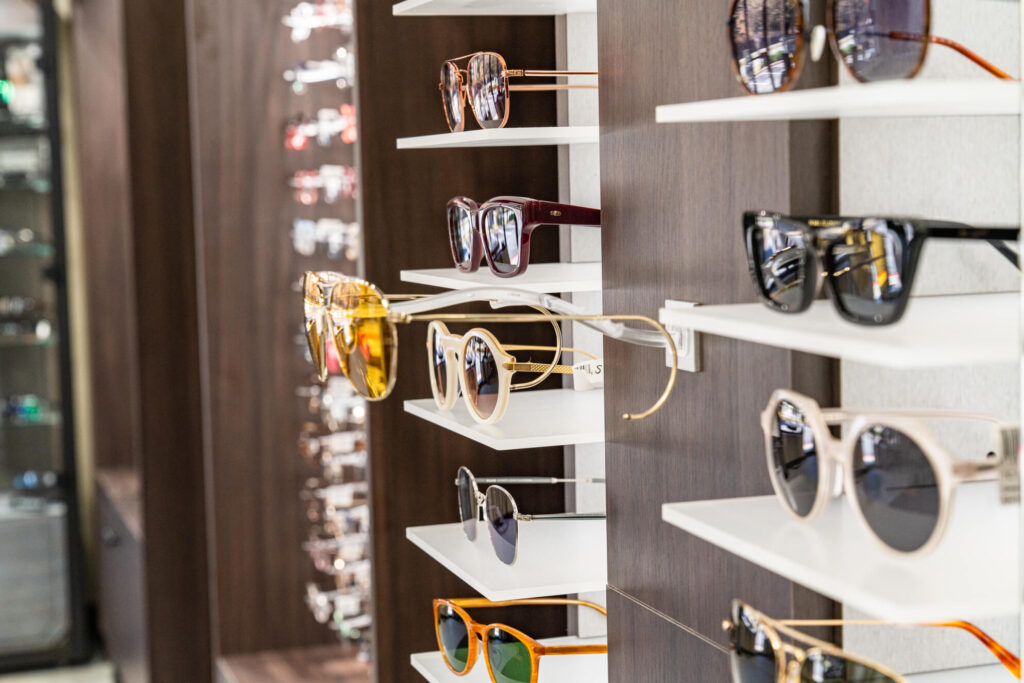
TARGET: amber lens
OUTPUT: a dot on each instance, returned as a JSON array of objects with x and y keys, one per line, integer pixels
[
  {"x": 317, "y": 288},
  {"x": 367, "y": 342},
  {"x": 488, "y": 89},
  {"x": 766, "y": 36},
  {"x": 880, "y": 39},
  {"x": 480, "y": 376},
  {"x": 450, "y": 95}
]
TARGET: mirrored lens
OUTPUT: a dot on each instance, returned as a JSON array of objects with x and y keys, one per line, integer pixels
[
  {"x": 468, "y": 511},
  {"x": 508, "y": 657},
  {"x": 866, "y": 268},
  {"x": 450, "y": 93},
  {"x": 896, "y": 487},
  {"x": 879, "y": 39},
  {"x": 454, "y": 636},
  {"x": 502, "y": 233},
  {"x": 480, "y": 376},
  {"x": 438, "y": 364},
  {"x": 766, "y": 36},
  {"x": 795, "y": 458},
  {"x": 317, "y": 287},
  {"x": 366, "y": 341},
  {"x": 819, "y": 667},
  {"x": 752, "y": 657},
  {"x": 502, "y": 523},
  {"x": 488, "y": 90},
  {"x": 781, "y": 254},
  {"x": 461, "y": 231}
]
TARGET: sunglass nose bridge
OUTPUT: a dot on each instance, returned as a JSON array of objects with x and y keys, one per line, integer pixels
[{"x": 819, "y": 36}]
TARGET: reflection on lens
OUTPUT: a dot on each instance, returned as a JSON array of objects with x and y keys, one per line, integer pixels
[
  {"x": 454, "y": 637},
  {"x": 317, "y": 288},
  {"x": 480, "y": 374},
  {"x": 766, "y": 35},
  {"x": 439, "y": 363},
  {"x": 896, "y": 487},
  {"x": 365, "y": 339},
  {"x": 780, "y": 252},
  {"x": 460, "y": 227},
  {"x": 450, "y": 93},
  {"x": 487, "y": 92},
  {"x": 467, "y": 503},
  {"x": 865, "y": 269},
  {"x": 502, "y": 523},
  {"x": 820, "y": 667},
  {"x": 502, "y": 232},
  {"x": 880, "y": 39},
  {"x": 752, "y": 657},
  {"x": 508, "y": 657},
  {"x": 795, "y": 458}
]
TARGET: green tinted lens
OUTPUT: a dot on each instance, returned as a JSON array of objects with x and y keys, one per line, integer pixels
[
  {"x": 454, "y": 636},
  {"x": 826, "y": 668},
  {"x": 508, "y": 657}
]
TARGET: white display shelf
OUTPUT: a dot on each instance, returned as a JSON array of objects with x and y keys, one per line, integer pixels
[
  {"x": 553, "y": 669},
  {"x": 891, "y": 98},
  {"x": 971, "y": 575},
  {"x": 996, "y": 673},
  {"x": 433, "y": 8},
  {"x": 535, "y": 419},
  {"x": 969, "y": 329},
  {"x": 546, "y": 278},
  {"x": 556, "y": 557},
  {"x": 505, "y": 137}
]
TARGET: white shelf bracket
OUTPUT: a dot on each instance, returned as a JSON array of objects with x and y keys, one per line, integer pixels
[{"x": 687, "y": 340}]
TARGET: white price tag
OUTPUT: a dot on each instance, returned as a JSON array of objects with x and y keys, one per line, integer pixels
[{"x": 588, "y": 375}]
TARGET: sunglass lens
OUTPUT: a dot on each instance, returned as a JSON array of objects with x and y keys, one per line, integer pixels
[
  {"x": 896, "y": 487},
  {"x": 881, "y": 40},
  {"x": 438, "y": 365},
  {"x": 480, "y": 375},
  {"x": 766, "y": 36},
  {"x": 502, "y": 524},
  {"x": 821, "y": 668},
  {"x": 453, "y": 633},
  {"x": 316, "y": 322},
  {"x": 795, "y": 458},
  {"x": 866, "y": 271},
  {"x": 451, "y": 95},
  {"x": 752, "y": 657},
  {"x": 461, "y": 233},
  {"x": 488, "y": 94},
  {"x": 508, "y": 657},
  {"x": 781, "y": 256},
  {"x": 366, "y": 341},
  {"x": 467, "y": 503},
  {"x": 503, "y": 231}
]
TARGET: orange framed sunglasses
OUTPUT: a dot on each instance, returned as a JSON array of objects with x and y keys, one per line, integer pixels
[{"x": 511, "y": 655}]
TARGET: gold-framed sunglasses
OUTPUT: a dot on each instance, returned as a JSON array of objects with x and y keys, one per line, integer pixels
[
  {"x": 759, "y": 654},
  {"x": 361, "y": 322}
]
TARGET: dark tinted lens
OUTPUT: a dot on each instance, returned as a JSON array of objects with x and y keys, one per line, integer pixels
[
  {"x": 866, "y": 269},
  {"x": 795, "y": 458},
  {"x": 487, "y": 89},
  {"x": 766, "y": 35},
  {"x": 454, "y": 637},
  {"x": 896, "y": 487},
  {"x": 781, "y": 256},
  {"x": 450, "y": 94},
  {"x": 503, "y": 232},
  {"x": 502, "y": 524},
  {"x": 480, "y": 372},
  {"x": 439, "y": 363},
  {"x": 822, "y": 667},
  {"x": 467, "y": 503},
  {"x": 752, "y": 656},
  {"x": 508, "y": 657},
  {"x": 881, "y": 39},
  {"x": 460, "y": 228}
]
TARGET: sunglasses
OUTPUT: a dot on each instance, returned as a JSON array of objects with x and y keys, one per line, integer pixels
[
  {"x": 869, "y": 263},
  {"x": 485, "y": 81},
  {"x": 511, "y": 656},
  {"x": 499, "y": 230},
  {"x": 758, "y": 654},
  {"x": 501, "y": 512},
  {"x": 360, "y": 321},
  {"x": 899, "y": 477},
  {"x": 876, "y": 40}
]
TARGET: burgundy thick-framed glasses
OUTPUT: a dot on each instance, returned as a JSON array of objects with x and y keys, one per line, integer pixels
[{"x": 499, "y": 230}]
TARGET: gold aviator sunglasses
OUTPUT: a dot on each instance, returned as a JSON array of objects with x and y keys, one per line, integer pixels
[{"x": 361, "y": 320}]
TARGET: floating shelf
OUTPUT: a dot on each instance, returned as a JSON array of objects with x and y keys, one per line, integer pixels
[
  {"x": 535, "y": 419},
  {"x": 505, "y": 137},
  {"x": 891, "y": 98},
  {"x": 971, "y": 575},
  {"x": 556, "y": 557},
  {"x": 431, "y": 8},
  {"x": 968, "y": 329},
  {"x": 561, "y": 669},
  {"x": 546, "y": 278}
]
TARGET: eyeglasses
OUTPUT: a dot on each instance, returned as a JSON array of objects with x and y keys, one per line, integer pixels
[
  {"x": 328, "y": 124},
  {"x": 359, "y": 319},
  {"x": 499, "y": 230},
  {"x": 501, "y": 512},
  {"x": 341, "y": 69},
  {"x": 511, "y": 656},
  {"x": 758, "y": 654},
  {"x": 875, "y": 40},
  {"x": 899, "y": 477},
  {"x": 485, "y": 80},
  {"x": 869, "y": 263},
  {"x": 337, "y": 182},
  {"x": 307, "y": 17}
]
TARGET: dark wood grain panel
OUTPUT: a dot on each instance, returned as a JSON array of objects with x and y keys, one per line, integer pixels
[{"x": 315, "y": 664}]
